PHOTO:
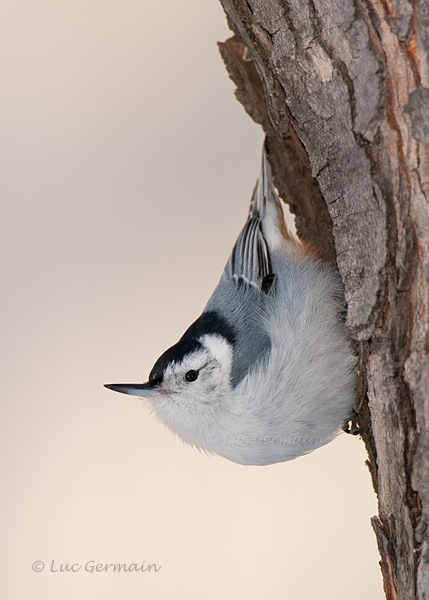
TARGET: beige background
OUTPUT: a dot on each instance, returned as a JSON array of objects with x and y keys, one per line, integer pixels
[{"x": 127, "y": 166}]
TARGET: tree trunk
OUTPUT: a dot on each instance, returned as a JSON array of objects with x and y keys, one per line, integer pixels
[{"x": 341, "y": 88}]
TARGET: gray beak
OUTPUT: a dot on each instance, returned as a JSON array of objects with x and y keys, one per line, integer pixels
[{"x": 143, "y": 390}]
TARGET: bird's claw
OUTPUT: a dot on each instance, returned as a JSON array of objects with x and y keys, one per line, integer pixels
[{"x": 351, "y": 425}]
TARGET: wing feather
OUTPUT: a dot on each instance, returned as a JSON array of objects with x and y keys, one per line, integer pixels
[{"x": 250, "y": 261}]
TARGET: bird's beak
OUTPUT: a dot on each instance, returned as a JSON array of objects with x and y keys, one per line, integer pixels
[{"x": 143, "y": 390}]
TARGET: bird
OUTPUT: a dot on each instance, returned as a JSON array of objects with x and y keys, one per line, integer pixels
[{"x": 267, "y": 372}]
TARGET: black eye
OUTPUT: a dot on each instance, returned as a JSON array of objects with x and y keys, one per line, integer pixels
[{"x": 191, "y": 375}]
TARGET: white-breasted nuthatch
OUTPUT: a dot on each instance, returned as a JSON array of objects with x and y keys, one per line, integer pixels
[{"x": 266, "y": 373}]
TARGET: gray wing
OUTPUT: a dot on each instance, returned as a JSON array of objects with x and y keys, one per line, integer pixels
[
  {"x": 250, "y": 262},
  {"x": 247, "y": 285}
]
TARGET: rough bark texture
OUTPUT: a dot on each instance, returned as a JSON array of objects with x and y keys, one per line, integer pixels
[{"x": 341, "y": 88}]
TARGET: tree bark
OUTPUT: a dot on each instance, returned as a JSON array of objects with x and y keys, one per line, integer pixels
[{"x": 341, "y": 88}]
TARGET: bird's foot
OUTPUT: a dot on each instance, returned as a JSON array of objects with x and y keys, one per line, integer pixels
[{"x": 351, "y": 425}]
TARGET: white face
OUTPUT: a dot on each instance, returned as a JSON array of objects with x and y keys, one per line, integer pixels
[{"x": 193, "y": 391}]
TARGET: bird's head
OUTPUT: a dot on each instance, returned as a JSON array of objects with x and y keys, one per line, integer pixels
[{"x": 189, "y": 384}]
